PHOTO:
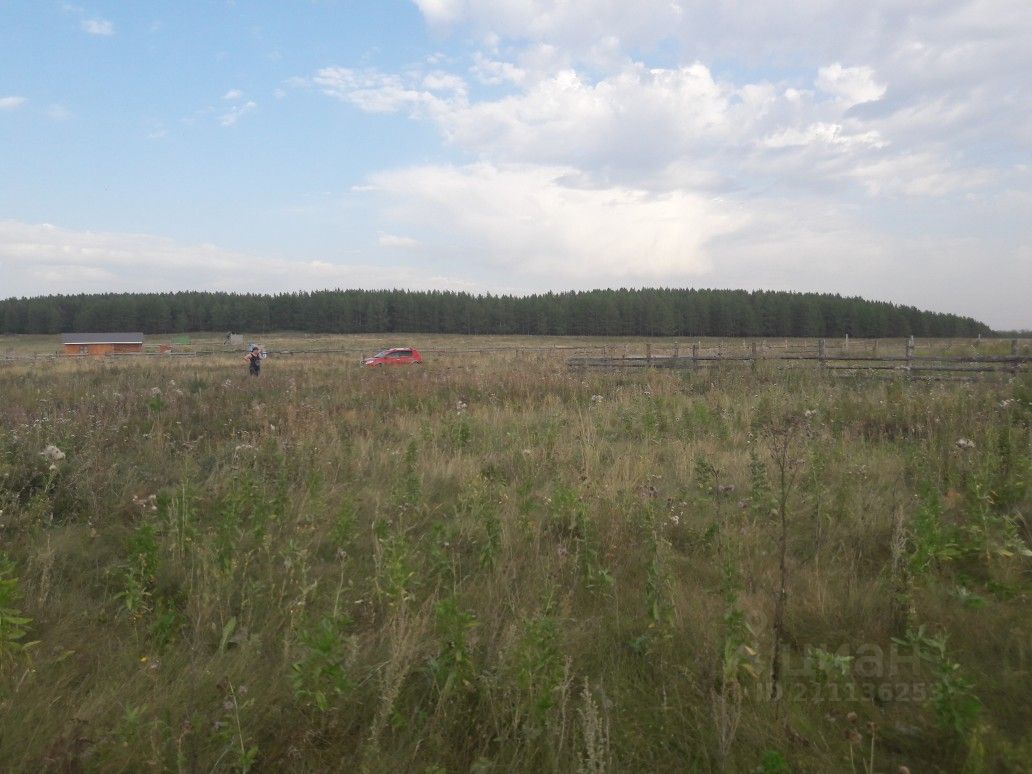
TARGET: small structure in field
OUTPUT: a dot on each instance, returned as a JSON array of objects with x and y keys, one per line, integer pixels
[{"x": 101, "y": 343}]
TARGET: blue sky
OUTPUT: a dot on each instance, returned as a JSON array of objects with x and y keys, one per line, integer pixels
[{"x": 878, "y": 148}]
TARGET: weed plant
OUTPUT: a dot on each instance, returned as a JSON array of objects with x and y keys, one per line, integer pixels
[{"x": 502, "y": 565}]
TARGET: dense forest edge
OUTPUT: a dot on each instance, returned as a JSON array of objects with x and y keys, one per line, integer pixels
[{"x": 623, "y": 312}]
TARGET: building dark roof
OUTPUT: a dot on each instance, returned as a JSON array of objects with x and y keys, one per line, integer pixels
[{"x": 102, "y": 338}]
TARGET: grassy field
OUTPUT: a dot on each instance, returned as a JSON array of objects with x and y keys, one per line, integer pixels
[{"x": 495, "y": 565}]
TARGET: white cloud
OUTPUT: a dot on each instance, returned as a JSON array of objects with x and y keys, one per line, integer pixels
[
  {"x": 233, "y": 95},
  {"x": 11, "y": 103},
  {"x": 376, "y": 92},
  {"x": 822, "y": 133},
  {"x": 392, "y": 240},
  {"x": 852, "y": 85},
  {"x": 236, "y": 112},
  {"x": 98, "y": 27},
  {"x": 572, "y": 23},
  {"x": 537, "y": 221},
  {"x": 43, "y": 258}
]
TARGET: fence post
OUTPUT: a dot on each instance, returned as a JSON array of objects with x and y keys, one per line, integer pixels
[
  {"x": 910, "y": 354},
  {"x": 822, "y": 352},
  {"x": 874, "y": 349},
  {"x": 754, "y": 347},
  {"x": 677, "y": 353},
  {"x": 847, "y": 342},
  {"x": 648, "y": 354},
  {"x": 695, "y": 356}
]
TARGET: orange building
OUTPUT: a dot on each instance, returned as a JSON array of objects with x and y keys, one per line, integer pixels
[{"x": 101, "y": 343}]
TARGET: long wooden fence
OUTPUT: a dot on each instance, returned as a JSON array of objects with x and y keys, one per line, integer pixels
[{"x": 873, "y": 355}]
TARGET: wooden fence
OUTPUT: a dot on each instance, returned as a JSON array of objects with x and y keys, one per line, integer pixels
[{"x": 874, "y": 355}]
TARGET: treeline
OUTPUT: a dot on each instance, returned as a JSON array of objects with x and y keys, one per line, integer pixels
[{"x": 624, "y": 312}]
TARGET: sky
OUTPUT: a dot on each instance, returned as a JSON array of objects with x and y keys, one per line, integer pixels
[{"x": 880, "y": 148}]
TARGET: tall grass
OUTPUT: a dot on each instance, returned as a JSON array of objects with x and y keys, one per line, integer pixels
[{"x": 507, "y": 566}]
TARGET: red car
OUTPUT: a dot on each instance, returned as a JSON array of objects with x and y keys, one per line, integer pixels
[{"x": 394, "y": 356}]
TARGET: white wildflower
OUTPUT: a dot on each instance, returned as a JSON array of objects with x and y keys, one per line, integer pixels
[
  {"x": 155, "y": 391},
  {"x": 810, "y": 413},
  {"x": 965, "y": 443},
  {"x": 243, "y": 447},
  {"x": 460, "y": 406},
  {"x": 52, "y": 453},
  {"x": 597, "y": 399}
]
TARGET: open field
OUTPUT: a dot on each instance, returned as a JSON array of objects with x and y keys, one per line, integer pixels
[{"x": 498, "y": 564}]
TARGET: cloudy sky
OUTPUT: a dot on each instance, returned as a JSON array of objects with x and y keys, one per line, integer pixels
[{"x": 880, "y": 148}]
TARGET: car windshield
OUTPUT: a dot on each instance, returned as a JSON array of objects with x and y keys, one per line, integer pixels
[{"x": 383, "y": 353}]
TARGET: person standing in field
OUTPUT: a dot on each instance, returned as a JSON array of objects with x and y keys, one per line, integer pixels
[{"x": 254, "y": 360}]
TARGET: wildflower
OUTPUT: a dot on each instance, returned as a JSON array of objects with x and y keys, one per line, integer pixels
[
  {"x": 725, "y": 489},
  {"x": 52, "y": 453},
  {"x": 243, "y": 447},
  {"x": 851, "y": 717},
  {"x": 155, "y": 391},
  {"x": 810, "y": 413},
  {"x": 460, "y": 406},
  {"x": 227, "y": 384},
  {"x": 965, "y": 443},
  {"x": 597, "y": 398}
]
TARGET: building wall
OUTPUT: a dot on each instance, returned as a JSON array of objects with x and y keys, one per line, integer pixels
[{"x": 100, "y": 349}]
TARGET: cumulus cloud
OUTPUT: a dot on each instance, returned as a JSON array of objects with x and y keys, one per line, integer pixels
[
  {"x": 11, "y": 103},
  {"x": 544, "y": 221},
  {"x": 852, "y": 85},
  {"x": 591, "y": 164},
  {"x": 98, "y": 27}
]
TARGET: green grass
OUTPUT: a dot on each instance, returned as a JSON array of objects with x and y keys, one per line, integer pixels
[{"x": 482, "y": 566}]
